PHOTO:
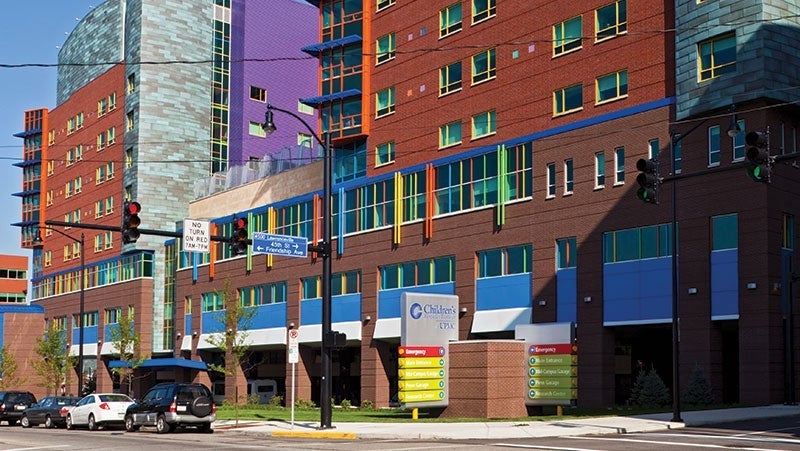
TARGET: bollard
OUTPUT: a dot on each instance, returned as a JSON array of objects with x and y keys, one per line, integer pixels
[{"x": 415, "y": 413}]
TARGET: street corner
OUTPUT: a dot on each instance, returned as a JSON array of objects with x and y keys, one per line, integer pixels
[{"x": 330, "y": 435}]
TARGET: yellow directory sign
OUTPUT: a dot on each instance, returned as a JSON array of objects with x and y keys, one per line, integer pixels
[{"x": 421, "y": 374}]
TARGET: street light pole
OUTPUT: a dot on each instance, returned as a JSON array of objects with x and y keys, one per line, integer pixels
[
  {"x": 81, "y": 304},
  {"x": 676, "y": 338},
  {"x": 324, "y": 249}
]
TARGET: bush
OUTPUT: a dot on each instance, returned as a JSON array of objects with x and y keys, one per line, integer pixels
[
  {"x": 698, "y": 392},
  {"x": 304, "y": 404},
  {"x": 345, "y": 404},
  {"x": 367, "y": 405},
  {"x": 649, "y": 390},
  {"x": 252, "y": 400},
  {"x": 276, "y": 401}
]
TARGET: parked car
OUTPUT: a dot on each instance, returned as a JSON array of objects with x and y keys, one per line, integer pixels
[
  {"x": 13, "y": 403},
  {"x": 50, "y": 411},
  {"x": 170, "y": 405},
  {"x": 99, "y": 409}
]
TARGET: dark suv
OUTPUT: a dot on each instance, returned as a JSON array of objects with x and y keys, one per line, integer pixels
[
  {"x": 170, "y": 405},
  {"x": 13, "y": 403}
]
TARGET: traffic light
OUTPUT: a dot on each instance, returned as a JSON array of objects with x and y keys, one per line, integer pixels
[
  {"x": 647, "y": 180},
  {"x": 758, "y": 157},
  {"x": 130, "y": 222},
  {"x": 239, "y": 236}
]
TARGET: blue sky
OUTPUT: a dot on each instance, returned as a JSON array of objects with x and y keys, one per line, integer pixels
[{"x": 31, "y": 33}]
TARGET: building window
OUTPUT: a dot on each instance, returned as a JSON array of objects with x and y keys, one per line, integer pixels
[
  {"x": 450, "y": 78},
  {"x": 98, "y": 243},
  {"x": 258, "y": 94},
  {"x": 304, "y": 140},
  {"x": 568, "y": 176},
  {"x": 638, "y": 243},
  {"x": 567, "y": 36},
  {"x": 416, "y": 273},
  {"x": 51, "y": 137},
  {"x": 568, "y": 100},
  {"x": 108, "y": 238},
  {"x": 505, "y": 262},
  {"x": 713, "y": 146},
  {"x": 612, "y": 86},
  {"x": 450, "y": 134},
  {"x": 484, "y": 124},
  {"x": 599, "y": 170},
  {"x": 48, "y": 259},
  {"x": 131, "y": 85},
  {"x": 384, "y": 154},
  {"x": 482, "y": 10},
  {"x": 109, "y": 205},
  {"x": 724, "y": 232},
  {"x": 257, "y": 130},
  {"x": 611, "y": 20},
  {"x": 112, "y": 315},
  {"x": 49, "y": 198},
  {"x": 551, "y": 180},
  {"x": 382, "y": 4},
  {"x": 305, "y": 109},
  {"x": 385, "y": 49},
  {"x": 384, "y": 102},
  {"x": 787, "y": 238},
  {"x": 738, "y": 142},
  {"x": 450, "y": 20},
  {"x": 676, "y": 153},
  {"x": 51, "y": 166},
  {"x": 716, "y": 56},
  {"x": 566, "y": 253},
  {"x": 271, "y": 293},
  {"x": 483, "y": 66},
  {"x": 212, "y": 302},
  {"x": 619, "y": 165},
  {"x": 129, "y": 121},
  {"x": 99, "y": 209}
]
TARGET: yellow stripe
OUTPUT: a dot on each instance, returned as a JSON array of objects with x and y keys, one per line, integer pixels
[{"x": 316, "y": 434}]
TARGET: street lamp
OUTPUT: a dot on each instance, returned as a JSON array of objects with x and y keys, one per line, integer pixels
[
  {"x": 38, "y": 241},
  {"x": 323, "y": 249}
]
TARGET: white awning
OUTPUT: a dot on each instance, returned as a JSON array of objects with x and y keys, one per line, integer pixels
[
  {"x": 313, "y": 332},
  {"x": 387, "y": 328},
  {"x": 89, "y": 350},
  {"x": 500, "y": 320}
]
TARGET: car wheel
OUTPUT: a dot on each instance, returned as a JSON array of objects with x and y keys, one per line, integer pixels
[
  {"x": 48, "y": 422},
  {"x": 70, "y": 426},
  {"x": 200, "y": 406},
  {"x": 206, "y": 428},
  {"x": 129, "y": 426},
  {"x": 92, "y": 424},
  {"x": 162, "y": 427},
  {"x": 24, "y": 422}
]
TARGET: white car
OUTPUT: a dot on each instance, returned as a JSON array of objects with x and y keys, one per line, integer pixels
[{"x": 99, "y": 409}]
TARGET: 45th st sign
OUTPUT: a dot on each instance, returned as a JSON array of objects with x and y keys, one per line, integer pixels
[{"x": 286, "y": 245}]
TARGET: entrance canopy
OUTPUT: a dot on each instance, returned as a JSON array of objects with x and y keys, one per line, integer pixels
[{"x": 172, "y": 362}]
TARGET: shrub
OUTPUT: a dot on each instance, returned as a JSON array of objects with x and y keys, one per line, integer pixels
[
  {"x": 345, "y": 404},
  {"x": 698, "y": 392},
  {"x": 276, "y": 401},
  {"x": 304, "y": 404},
  {"x": 367, "y": 404},
  {"x": 252, "y": 399},
  {"x": 649, "y": 390}
]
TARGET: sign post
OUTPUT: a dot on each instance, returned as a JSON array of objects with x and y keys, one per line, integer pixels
[{"x": 294, "y": 357}]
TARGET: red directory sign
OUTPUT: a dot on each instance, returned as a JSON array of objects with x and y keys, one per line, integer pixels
[
  {"x": 562, "y": 348},
  {"x": 421, "y": 351}
]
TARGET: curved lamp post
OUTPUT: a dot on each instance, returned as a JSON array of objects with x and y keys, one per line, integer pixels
[
  {"x": 38, "y": 241},
  {"x": 324, "y": 248}
]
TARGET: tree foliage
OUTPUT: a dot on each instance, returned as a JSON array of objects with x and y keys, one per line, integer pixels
[
  {"x": 55, "y": 360},
  {"x": 232, "y": 341},
  {"x": 8, "y": 370},
  {"x": 649, "y": 390},
  {"x": 698, "y": 391},
  {"x": 126, "y": 343}
]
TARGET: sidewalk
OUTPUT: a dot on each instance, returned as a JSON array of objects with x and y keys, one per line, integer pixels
[{"x": 504, "y": 430}]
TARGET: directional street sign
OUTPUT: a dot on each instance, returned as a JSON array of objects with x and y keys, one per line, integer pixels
[{"x": 285, "y": 245}]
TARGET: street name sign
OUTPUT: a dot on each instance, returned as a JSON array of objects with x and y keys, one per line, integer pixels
[
  {"x": 196, "y": 235},
  {"x": 285, "y": 245}
]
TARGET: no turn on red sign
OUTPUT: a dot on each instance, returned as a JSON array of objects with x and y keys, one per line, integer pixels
[{"x": 294, "y": 346}]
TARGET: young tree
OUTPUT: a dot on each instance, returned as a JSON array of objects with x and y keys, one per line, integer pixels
[
  {"x": 232, "y": 341},
  {"x": 8, "y": 370},
  {"x": 55, "y": 360},
  {"x": 126, "y": 343}
]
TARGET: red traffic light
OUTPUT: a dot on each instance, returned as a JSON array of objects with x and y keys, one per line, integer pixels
[
  {"x": 240, "y": 223},
  {"x": 133, "y": 208}
]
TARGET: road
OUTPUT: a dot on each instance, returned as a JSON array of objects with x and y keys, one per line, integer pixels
[{"x": 762, "y": 435}]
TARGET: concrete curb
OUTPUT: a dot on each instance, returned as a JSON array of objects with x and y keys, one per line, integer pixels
[{"x": 316, "y": 434}]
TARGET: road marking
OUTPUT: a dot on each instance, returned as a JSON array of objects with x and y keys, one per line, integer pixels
[
  {"x": 731, "y": 437},
  {"x": 39, "y": 447},
  {"x": 555, "y": 448},
  {"x": 655, "y": 442}
]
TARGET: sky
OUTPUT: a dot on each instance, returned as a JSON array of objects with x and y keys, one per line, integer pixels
[{"x": 32, "y": 32}]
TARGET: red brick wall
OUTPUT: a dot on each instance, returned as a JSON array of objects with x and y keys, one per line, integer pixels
[
  {"x": 20, "y": 331},
  {"x": 487, "y": 379}
]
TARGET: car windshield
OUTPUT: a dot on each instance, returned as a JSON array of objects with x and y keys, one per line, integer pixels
[{"x": 115, "y": 398}]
